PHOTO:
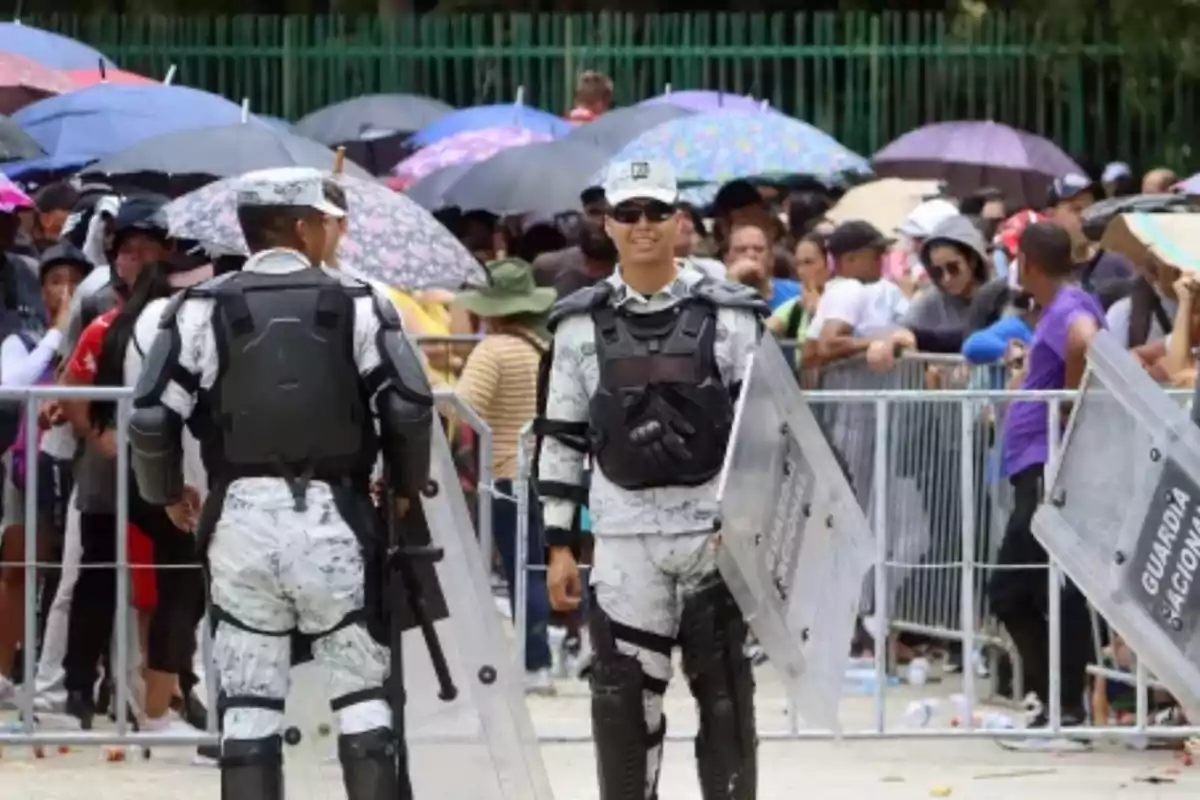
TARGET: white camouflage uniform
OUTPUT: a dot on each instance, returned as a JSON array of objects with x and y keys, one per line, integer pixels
[
  {"x": 276, "y": 569},
  {"x": 653, "y": 546}
]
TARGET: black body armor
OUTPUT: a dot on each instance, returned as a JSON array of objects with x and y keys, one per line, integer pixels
[
  {"x": 289, "y": 401},
  {"x": 661, "y": 414}
]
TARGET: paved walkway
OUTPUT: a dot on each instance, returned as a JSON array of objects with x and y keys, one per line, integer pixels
[{"x": 884, "y": 770}]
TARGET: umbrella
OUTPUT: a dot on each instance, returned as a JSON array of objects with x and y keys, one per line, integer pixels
[
  {"x": 706, "y": 101},
  {"x": 1097, "y": 216},
  {"x": 968, "y": 155},
  {"x": 218, "y": 152},
  {"x": 53, "y": 50},
  {"x": 719, "y": 147},
  {"x": 464, "y": 148},
  {"x": 371, "y": 115},
  {"x": 884, "y": 203},
  {"x": 535, "y": 178},
  {"x": 16, "y": 143},
  {"x": 1173, "y": 239},
  {"x": 24, "y": 81},
  {"x": 430, "y": 191},
  {"x": 373, "y": 128},
  {"x": 11, "y": 197},
  {"x": 615, "y": 129},
  {"x": 391, "y": 239},
  {"x": 82, "y": 78},
  {"x": 88, "y": 124},
  {"x": 277, "y": 123},
  {"x": 1190, "y": 186},
  {"x": 506, "y": 115}
]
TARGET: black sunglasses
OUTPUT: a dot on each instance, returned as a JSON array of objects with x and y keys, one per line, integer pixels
[
  {"x": 655, "y": 211},
  {"x": 950, "y": 270}
]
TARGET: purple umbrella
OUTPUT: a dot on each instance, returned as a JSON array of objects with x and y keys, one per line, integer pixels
[
  {"x": 969, "y": 155},
  {"x": 467, "y": 147},
  {"x": 703, "y": 101}
]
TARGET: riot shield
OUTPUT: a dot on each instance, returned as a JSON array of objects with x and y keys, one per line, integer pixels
[
  {"x": 479, "y": 746},
  {"x": 795, "y": 545},
  {"x": 1123, "y": 517}
]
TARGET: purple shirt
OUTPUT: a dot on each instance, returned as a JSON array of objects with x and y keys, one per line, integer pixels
[{"x": 1026, "y": 426}]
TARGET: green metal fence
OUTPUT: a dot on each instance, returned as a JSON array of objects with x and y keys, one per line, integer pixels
[{"x": 865, "y": 78}]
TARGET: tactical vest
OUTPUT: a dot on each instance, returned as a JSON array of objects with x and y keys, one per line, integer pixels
[
  {"x": 659, "y": 367},
  {"x": 288, "y": 401}
]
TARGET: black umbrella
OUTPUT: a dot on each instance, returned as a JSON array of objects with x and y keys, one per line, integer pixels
[
  {"x": 615, "y": 129},
  {"x": 430, "y": 192},
  {"x": 373, "y": 127},
  {"x": 191, "y": 157},
  {"x": 16, "y": 144},
  {"x": 546, "y": 177}
]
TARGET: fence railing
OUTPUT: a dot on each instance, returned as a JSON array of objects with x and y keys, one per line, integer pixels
[
  {"x": 941, "y": 520},
  {"x": 865, "y": 78}
]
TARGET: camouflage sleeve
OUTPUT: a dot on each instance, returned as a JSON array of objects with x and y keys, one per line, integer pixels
[
  {"x": 566, "y": 401},
  {"x": 744, "y": 330}
]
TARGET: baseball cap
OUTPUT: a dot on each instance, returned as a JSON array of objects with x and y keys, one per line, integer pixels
[
  {"x": 632, "y": 180},
  {"x": 291, "y": 187},
  {"x": 1068, "y": 186},
  {"x": 1115, "y": 171},
  {"x": 855, "y": 235}
]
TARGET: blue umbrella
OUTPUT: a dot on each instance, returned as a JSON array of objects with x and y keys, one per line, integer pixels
[
  {"x": 507, "y": 115},
  {"x": 51, "y": 49},
  {"x": 722, "y": 146},
  {"x": 277, "y": 123},
  {"x": 80, "y": 127}
]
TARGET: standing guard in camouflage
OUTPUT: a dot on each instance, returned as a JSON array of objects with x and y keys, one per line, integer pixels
[
  {"x": 283, "y": 371},
  {"x": 643, "y": 377}
]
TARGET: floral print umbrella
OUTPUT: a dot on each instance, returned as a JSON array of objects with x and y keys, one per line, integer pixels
[
  {"x": 722, "y": 146},
  {"x": 24, "y": 81},
  {"x": 391, "y": 239},
  {"x": 467, "y": 147}
]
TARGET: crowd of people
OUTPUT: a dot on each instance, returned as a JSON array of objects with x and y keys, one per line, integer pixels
[{"x": 89, "y": 271}]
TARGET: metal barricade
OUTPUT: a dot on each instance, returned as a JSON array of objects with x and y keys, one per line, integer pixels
[
  {"x": 976, "y": 480},
  {"x": 26, "y": 731}
]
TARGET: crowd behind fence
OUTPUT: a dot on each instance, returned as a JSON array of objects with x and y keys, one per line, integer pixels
[{"x": 920, "y": 444}]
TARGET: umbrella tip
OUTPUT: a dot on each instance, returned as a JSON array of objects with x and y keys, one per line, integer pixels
[
  {"x": 245, "y": 110},
  {"x": 520, "y": 99},
  {"x": 339, "y": 161}
]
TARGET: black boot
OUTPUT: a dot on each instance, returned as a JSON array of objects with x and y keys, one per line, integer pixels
[
  {"x": 369, "y": 764},
  {"x": 252, "y": 769}
]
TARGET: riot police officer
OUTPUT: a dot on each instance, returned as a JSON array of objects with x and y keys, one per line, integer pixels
[
  {"x": 284, "y": 371},
  {"x": 644, "y": 373}
]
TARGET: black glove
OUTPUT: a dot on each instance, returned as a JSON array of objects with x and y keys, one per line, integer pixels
[{"x": 662, "y": 436}]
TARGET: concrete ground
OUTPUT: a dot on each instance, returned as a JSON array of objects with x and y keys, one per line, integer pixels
[{"x": 894, "y": 769}]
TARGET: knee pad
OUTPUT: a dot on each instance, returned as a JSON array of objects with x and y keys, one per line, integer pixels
[
  {"x": 252, "y": 769},
  {"x": 622, "y": 740},
  {"x": 721, "y": 678},
  {"x": 369, "y": 764}
]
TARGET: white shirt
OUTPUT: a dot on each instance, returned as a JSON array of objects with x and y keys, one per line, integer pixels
[
  {"x": 574, "y": 376},
  {"x": 868, "y": 308},
  {"x": 198, "y": 352},
  {"x": 1119, "y": 314},
  {"x": 20, "y": 366},
  {"x": 145, "y": 330}
]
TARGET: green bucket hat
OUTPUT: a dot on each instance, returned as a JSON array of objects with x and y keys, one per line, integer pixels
[{"x": 510, "y": 291}]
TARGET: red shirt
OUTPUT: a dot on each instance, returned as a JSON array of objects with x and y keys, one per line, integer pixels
[{"x": 84, "y": 359}]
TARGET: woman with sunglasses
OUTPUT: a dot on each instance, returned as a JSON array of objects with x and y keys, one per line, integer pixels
[{"x": 956, "y": 259}]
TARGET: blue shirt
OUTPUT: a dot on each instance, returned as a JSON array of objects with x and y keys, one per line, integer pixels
[{"x": 782, "y": 290}]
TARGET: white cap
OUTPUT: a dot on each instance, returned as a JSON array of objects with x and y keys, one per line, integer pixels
[
  {"x": 295, "y": 187},
  {"x": 632, "y": 180},
  {"x": 921, "y": 221}
]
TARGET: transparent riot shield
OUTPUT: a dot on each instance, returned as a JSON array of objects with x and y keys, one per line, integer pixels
[
  {"x": 1123, "y": 517},
  {"x": 796, "y": 546},
  {"x": 479, "y": 746}
]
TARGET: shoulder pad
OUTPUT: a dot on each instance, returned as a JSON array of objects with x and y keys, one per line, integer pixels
[
  {"x": 582, "y": 301},
  {"x": 385, "y": 310},
  {"x": 731, "y": 295}
]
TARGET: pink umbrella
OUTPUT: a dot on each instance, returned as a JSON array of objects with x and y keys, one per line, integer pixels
[
  {"x": 24, "y": 81},
  {"x": 467, "y": 147},
  {"x": 11, "y": 197},
  {"x": 82, "y": 78}
]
